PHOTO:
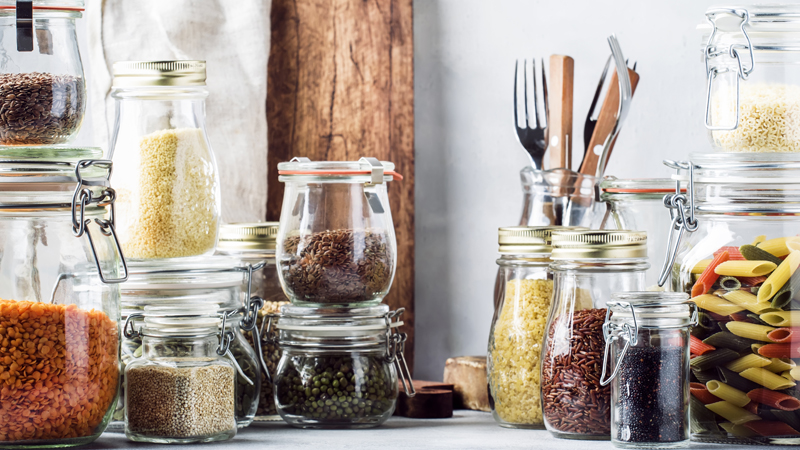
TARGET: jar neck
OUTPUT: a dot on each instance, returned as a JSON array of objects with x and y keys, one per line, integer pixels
[
  {"x": 533, "y": 259},
  {"x": 600, "y": 265},
  {"x": 172, "y": 347}
]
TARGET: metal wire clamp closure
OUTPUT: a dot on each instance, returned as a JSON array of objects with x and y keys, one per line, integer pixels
[
  {"x": 681, "y": 211},
  {"x": 82, "y": 199},
  {"x": 395, "y": 347},
  {"x": 732, "y": 51},
  {"x": 612, "y": 333}
]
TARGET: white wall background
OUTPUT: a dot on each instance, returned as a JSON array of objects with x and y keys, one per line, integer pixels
[{"x": 467, "y": 154}]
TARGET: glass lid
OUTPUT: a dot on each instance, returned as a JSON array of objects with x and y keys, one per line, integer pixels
[
  {"x": 337, "y": 322},
  {"x": 20, "y": 165},
  {"x": 615, "y": 185},
  {"x": 368, "y": 168},
  {"x": 206, "y": 272}
]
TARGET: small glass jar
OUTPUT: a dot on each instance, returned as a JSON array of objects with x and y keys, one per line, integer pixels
[
  {"x": 42, "y": 87},
  {"x": 525, "y": 288},
  {"x": 646, "y": 361},
  {"x": 557, "y": 197},
  {"x": 169, "y": 193},
  {"x": 180, "y": 397},
  {"x": 588, "y": 266},
  {"x": 339, "y": 367},
  {"x": 752, "y": 78},
  {"x": 336, "y": 241}
]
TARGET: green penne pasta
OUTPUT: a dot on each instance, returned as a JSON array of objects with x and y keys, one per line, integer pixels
[
  {"x": 730, "y": 283},
  {"x": 713, "y": 359},
  {"x": 702, "y": 420},
  {"x": 726, "y": 339},
  {"x": 753, "y": 253},
  {"x": 786, "y": 293},
  {"x": 733, "y": 379},
  {"x": 704, "y": 376}
]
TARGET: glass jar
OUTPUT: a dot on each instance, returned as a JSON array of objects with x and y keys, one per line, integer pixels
[
  {"x": 336, "y": 241},
  {"x": 254, "y": 243},
  {"x": 42, "y": 87},
  {"x": 182, "y": 389},
  {"x": 638, "y": 204},
  {"x": 588, "y": 266},
  {"x": 515, "y": 338},
  {"x": 744, "y": 212},
  {"x": 339, "y": 367},
  {"x": 169, "y": 193},
  {"x": 59, "y": 340},
  {"x": 647, "y": 357},
  {"x": 557, "y": 197},
  {"x": 753, "y": 78}
]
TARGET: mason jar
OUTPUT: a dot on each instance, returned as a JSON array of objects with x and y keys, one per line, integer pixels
[
  {"x": 336, "y": 241},
  {"x": 169, "y": 193},
  {"x": 340, "y": 366},
  {"x": 738, "y": 262},
  {"x": 42, "y": 87},
  {"x": 752, "y": 77},
  {"x": 646, "y": 362},
  {"x": 588, "y": 266},
  {"x": 184, "y": 396},
  {"x": 60, "y": 266}
]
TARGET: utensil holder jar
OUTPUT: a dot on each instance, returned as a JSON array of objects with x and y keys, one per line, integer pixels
[{"x": 557, "y": 197}]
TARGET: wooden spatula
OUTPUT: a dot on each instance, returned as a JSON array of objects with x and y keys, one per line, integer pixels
[{"x": 559, "y": 121}]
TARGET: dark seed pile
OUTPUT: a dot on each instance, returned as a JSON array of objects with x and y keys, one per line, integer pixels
[
  {"x": 40, "y": 108},
  {"x": 651, "y": 395},
  {"x": 333, "y": 389},
  {"x": 573, "y": 400},
  {"x": 337, "y": 266}
]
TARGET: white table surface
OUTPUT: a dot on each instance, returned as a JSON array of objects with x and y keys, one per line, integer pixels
[{"x": 466, "y": 430}]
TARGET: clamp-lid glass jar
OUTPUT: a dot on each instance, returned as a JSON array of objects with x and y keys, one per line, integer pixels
[
  {"x": 753, "y": 78},
  {"x": 588, "y": 266},
  {"x": 336, "y": 241},
  {"x": 59, "y": 269},
  {"x": 42, "y": 87},
  {"x": 340, "y": 366},
  {"x": 169, "y": 192}
]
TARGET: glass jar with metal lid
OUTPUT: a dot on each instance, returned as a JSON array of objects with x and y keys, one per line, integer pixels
[
  {"x": 646, "y": 362},
  {"x": 60, "y": 266},
  {"x": 753, "y": 77},
  {"x": 588, "y": 266},
  {"x": 340, "y": 366},
  {"x": 169, "y": 193},
  {"x": 336, "y": 241},
  {"x": 182, "y": 389},
  {"x": 42, "y": 86},
  {"x": 739, "y": 264}
]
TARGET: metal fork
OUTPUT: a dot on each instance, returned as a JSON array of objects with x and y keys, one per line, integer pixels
[
  {"x": 625, "y": 95},
  {"x": 534, "y": 140},
  {"x": 591, "y": 120}
]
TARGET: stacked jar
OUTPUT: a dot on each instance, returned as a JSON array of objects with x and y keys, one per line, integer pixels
[{"x": 336, "y": 255}]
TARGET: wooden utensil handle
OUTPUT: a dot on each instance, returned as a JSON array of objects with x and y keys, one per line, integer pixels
[{"x": 559, "y": 121}]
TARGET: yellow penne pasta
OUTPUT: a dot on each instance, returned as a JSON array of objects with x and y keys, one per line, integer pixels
[
  {"x": 780, "y": 365},
  {"x": 779, "y": 277},
  {"x": 767, "y": 379},
  {"x": 788, "y": 375},
  {"x": 746, "y": 362},
  {"x": 759, "y": 239},
  {"x": 748, "y": 301},
  {"x": 781, "y": 318},
  {"x": 737, "y": 430},
  {"x": 701, "y": 266},
  {"x": 717, "y": 305},
  {"x": 776, "y": 246},
  {"x": 750, "y": 330},
  {"x": 733, "y": 413},
  {"x": 795, "y": 373},
  {"x": 728, "y": 393},
  {"x": 793, "y": 245},
  {"x": 755, "y": 347},
  {"x": 744, "y": 268}
]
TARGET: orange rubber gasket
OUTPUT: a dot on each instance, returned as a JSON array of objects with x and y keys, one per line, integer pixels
[
  {"x": 51, "y": 8},
  {"x": 641, "y": 191},
  {"x": 395, "y": 176}
]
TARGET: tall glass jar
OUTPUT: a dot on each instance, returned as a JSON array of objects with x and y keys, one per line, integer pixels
[
  {"x": 744, "y": 350},
  {"x": 752, "y": 77},
  {"x": 42, "y": 87},
  {"x": 340, "y": 366},
  {"x": 59, "y": 269},
  {"x": 515, "y": 338},
  {"x": 588, "y": 266},
  {"x": 336, "y": 241},
  {"x": 169, "y": 193},
  {"x": 180, "y": 397},
  {"x": 646, "y": 362}
]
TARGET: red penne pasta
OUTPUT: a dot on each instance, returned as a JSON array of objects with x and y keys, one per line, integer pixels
[
  {"x": 741, "y": 317},
  {"x": 752, "y": 281},
  {"x": 733, "y": 253},
  {"x": 700, "y": 392},
  {"x": 752, "y": 407},
  {"x": 771, "y": 428},
  {"x": 784, "y": 335},
  {"x": 718, "y": 318},
  {"x": 698, "y": 347},
  {"x": 779, "y": 350},
  {"x": 709, "y": 277},
  {"x": 774, "y": 399}
]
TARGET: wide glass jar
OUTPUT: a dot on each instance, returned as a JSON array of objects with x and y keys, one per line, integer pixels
[
  {"x": 515, "y": 338},
  {"x": 59, "y": 269},
  {"x": 740, "y": 267},
  {"x": 169, "y": 193},
  {"x": 340, "y": 366},
  {"x": 557, "y": 197},
  {"x": 752, "y": 77},
  {"x": 42, "y": 87},
  {"x": 588, "y": 266},
  {"x": 185, "y": 395},
  {"x": 336, "y": 241},
  {"x": 646, "y": 362}
]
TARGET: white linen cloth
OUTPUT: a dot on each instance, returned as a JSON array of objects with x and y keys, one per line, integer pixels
[{"x": 233, "y": 37}]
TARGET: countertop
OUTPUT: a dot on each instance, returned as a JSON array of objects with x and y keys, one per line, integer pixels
[{"x": 466, "y": 430}]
